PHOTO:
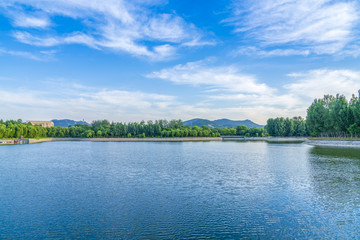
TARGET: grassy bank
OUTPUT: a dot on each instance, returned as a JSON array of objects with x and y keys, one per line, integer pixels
[
  {"x": 334, "y": 139},
  {"x": 267, "y": 139}
]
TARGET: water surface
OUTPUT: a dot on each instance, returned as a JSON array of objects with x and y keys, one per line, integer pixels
[{"x": 192, "y": 190}]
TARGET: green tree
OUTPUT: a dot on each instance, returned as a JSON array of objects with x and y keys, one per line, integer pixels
[{"x": 241, "y": 130}]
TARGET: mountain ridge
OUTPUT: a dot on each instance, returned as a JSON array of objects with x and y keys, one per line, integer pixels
[
  {"x": 67, "y": 122},
  {"x": 221, "y": 123}
]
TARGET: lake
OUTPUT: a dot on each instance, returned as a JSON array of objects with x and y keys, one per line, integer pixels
[{"x": 188, "y": 190}]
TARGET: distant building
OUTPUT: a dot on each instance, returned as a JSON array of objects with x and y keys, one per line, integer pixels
[{"x": 42, "y": 123}]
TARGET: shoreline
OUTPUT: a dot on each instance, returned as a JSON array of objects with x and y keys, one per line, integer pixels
[
  {"x": 334, "y": 143},
  {"x": 177, "y": 139},
  {"x": 267, "y": 139},
  {"x": 184, "y": 139}
]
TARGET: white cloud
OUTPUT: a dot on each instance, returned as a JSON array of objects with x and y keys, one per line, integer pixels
[
  {"x": 158, "y": 28},
  {"x": 60, "y": 99},
  {"x": 319, "y": 26},
  {"x": 295, "y": 97},
  {"x": 24, "y": 19},
  {"x": 254, "y": 51},
  {"x": 31, "y": 21},
  {"x": 37, "y": 41},
  {"x": 199, "y": 42},
  {"x": 120, "y": 105},
  {"x": 40, "y": 56},
  {"x": 138, "y": 100},
  {"x": 202, "y": 73},
  {"x": 115, "y": 24},
  {"x": 317, "y": 83}
]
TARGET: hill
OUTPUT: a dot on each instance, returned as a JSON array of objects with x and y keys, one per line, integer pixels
[
  {"x": 67, "y": 122},
  {"x": 221, "y": 123}
]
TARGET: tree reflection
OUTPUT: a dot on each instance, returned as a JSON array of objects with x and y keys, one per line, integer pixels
[
  {"x": 336, "y": 152},
  {"x": 335, "y": 173}
]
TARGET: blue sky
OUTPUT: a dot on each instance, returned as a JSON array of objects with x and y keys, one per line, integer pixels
[{"x": 154, "y": 59}]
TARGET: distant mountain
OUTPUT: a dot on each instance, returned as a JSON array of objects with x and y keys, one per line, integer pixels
[
  {"x": 221, "y": 123},
  {"x": 67, "y": 122}
]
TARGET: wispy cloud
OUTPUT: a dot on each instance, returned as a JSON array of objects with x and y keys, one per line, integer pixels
[
  {"x": 316, "y": 83},
  {"x": 215, "y": 78},
  {"x": 31, "y": 21},
  {"x": 318, "y": 26},
  {"x": 50, "y": 41},
  {"x": 115, "y": 105},
  {"x": 255, "y": 51},
  {"x": 39, "y": 56},
  {"x": 37, "y": 41},
  {"x": 24, "y": 19},
  {"x": 80, "y": 101},
  {"x": 296, "y": 96},
  {"x": 114, "y": 24}
]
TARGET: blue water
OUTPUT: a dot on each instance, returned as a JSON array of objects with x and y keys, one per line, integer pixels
[{"x": 192, "y": 190}]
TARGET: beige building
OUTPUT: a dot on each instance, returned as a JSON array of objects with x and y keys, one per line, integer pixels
[{"x": 42, "y": 123}]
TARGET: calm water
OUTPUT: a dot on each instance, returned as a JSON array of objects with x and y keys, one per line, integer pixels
[{"x": 206, "y": 190}]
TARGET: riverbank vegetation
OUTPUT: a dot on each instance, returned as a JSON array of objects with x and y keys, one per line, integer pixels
[
  {"x": 286, "y": 127},
  {"x": 105, "y": 129},
  {"x": 334, "y": 116},
  {"x": 328, "y": 117}
]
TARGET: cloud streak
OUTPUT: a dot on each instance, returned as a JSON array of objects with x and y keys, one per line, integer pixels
[
  {"x": 77, "y": 101},
  {"x": 318, "y": 26},
  {"x": 254, "y": 51},
  {"x": 40, "y": 56},
  {"x": 304, "y": 87},
  {"x": 316, "y": 83},
  {"x": 113, "y": 24},
  {"x": 215, "y": 78}
]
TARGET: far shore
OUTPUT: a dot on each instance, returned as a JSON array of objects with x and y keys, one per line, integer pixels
[
  {"x": 267, "y": 139},
  {"x": 184, "y": 139},
  {"x": 187, "y": 139}
]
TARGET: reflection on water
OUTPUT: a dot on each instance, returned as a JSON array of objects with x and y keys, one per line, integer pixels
[
  {"x": 336, "y": 152},
  {"x": 335, "y": 175}
]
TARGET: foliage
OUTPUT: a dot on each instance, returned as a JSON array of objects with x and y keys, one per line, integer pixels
[
  {"x": 330, "y": 116},
  {"x": 334, "y": 117},
  {"x": 243, "y": 130},
  {"x": 16, "y": 129},
  {"x": 286, "y": 127}
]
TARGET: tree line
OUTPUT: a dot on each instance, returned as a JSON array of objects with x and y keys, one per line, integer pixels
[
  {"x": 16, "y": 129},
  {"x": 286, "y": 127},
  {"x": 103, "y": 128},
  {"x": 330, "y": 116},
  {"x": 334, "y": 116}
]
